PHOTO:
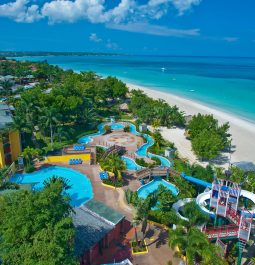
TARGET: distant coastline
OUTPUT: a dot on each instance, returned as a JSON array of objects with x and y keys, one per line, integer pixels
[{"x": 42, "y": 54}]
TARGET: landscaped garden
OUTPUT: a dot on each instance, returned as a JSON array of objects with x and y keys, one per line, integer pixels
[{"x": 67, "y": 107}]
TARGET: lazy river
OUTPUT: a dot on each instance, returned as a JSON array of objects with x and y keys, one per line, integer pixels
[
  {"x": 142, "y": 151},
  {"x": 153, "y": 185}
]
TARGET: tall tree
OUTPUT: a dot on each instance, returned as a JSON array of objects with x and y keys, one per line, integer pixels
[
  {"x": 36, "y": 228},
  {"x": 50, "y": 117}
]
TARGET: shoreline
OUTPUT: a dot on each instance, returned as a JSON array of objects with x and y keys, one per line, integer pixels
[{"x": 242, "y": 131}]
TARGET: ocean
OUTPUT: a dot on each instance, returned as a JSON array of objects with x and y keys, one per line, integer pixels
[{"x": 227, "y": 84}]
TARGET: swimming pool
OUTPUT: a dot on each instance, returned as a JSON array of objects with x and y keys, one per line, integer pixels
[
  {"x": 117, "y": 126},
  {"x": 87, "y": 138},
  {"x": 152, "y": 186},
  {"x": 130, "y": 163},
  {"x": 81, "y": 188}
]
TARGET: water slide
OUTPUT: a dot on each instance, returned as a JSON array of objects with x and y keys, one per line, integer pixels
[
  {"x": 176, "y": 206},
  {"x": 201, "y": 198}
]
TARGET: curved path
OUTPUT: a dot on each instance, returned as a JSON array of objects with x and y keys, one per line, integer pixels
[{"x": 142, "y": 151}]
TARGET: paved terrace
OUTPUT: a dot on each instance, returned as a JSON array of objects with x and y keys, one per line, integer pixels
[
  {"x": 128, "y": 140},
  {"x": 156, "y": 238}
]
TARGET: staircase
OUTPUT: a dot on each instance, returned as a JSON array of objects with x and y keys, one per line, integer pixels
[{"x": 233, "y": 216}]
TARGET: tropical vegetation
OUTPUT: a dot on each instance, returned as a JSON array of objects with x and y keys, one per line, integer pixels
[
  {"x": 36, "y": 228},
  {"x": 207, "y": 137}
]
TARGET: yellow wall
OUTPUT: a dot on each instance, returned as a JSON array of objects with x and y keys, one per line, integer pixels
[
  {"x": 2, "y": 160},
  {"x": 14, "y": 138},
  {"x": 66, "y": 158}
]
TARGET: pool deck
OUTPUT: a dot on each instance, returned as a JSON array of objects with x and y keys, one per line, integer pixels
[
  {"x": 131, "y": 148},
  {"x": 156, "y": 238}
]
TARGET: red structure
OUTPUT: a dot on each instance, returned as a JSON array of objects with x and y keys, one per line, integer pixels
[
  {"x": 224, "y": 199},
  {"x": 97, "y": 226}
]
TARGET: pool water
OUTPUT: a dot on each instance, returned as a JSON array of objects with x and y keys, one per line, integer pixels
[
  {"x": 87, "y": 138},
  {"x": 142, "y": 151},
  {"x": 81, "y": 188},
  {"x": 152, "y": 186},
  {"x": 130, "y": 163},
  {"x": 117, "y": 126}
]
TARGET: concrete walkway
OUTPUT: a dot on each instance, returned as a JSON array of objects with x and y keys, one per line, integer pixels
[{"x": 156, "y": 237}]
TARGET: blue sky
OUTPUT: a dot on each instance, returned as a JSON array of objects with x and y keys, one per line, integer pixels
[{"x": 169, "y": 27}]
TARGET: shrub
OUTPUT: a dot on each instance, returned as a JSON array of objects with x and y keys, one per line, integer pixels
[
  {"x": 29, "y": 168},
  {"x": 100, "y": 152},
  {"x": 157, "y": 161},
  {"x": 113, "y": 183},
  {"x": 107, "y": 129},
  {"x": 141, "y": 162},
  {"x": 126, "y": 129},
  {"x": 9, "y": 186}
]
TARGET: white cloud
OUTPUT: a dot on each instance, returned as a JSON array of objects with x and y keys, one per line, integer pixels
[
  {"x": 230, "y": 39},
  {"x": 94, "y": 38},
  {"x": 184, "y": 5},
  {"x": 149, "y": 29},
  {"x": 70, "y": 11},
  {"x": 94, "y": 11},
  {"x": 112, "y": 45},
  {"x": 20, "y": 11}
]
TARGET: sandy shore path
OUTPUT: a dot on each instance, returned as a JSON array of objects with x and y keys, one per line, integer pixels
[{"x": 243, "y": 132}]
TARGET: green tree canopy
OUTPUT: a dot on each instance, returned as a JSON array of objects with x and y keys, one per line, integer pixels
[{"x": 36, "y": 228}]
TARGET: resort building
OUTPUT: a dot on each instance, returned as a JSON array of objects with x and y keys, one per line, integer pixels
[
  {"x": 97, "y": 226},
  {"x": 10, "y": 144}
]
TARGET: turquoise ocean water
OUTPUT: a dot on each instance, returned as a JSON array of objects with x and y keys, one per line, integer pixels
[{"x": 224, "y": 83}]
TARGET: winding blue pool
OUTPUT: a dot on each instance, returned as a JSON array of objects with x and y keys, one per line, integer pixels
[
  {"x": 117, "y": 126},
  {"x": 87, "y": 138},
  {"x": 130, "y": 163},
  {"x": 142, "y": 151},
  {"x": 152, "y": 186},
  {"x": 81, "y": 188}
]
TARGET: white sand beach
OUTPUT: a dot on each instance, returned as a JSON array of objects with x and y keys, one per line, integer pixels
[{"x": 243, "y": 132}]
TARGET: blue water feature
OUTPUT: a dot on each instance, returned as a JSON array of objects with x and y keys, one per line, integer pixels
[
  {"x": 225, "y": 83},
  {"x": 117, "y": 126},
  {"x": 152, "y": 186},
  {"x": 142, "y": 151},
  {"x": 79, "y": 192},
  {"x": 197, "y": 181},
  {"x": 130, "y": 163},
  {"x": 87, "y": 138}
]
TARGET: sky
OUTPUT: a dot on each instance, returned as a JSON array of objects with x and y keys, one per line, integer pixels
[{"x": 157, "y": 27}]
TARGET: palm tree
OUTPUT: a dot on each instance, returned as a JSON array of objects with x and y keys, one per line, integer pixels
[
  {"x": 194, "y": 246},
  {"x": 253, "y": 261},
  {"x": 155, "y": 124},
  {"x": 142, "y": 209},
  {"x": 158, "y": 139},
  {"x": 195, "y": 215},
  {"x": 30, "y": 153},
  {"x": 114, "y": 164},
  {"x": 50, "y": 117},
  {"x": 191, "y": 243},
  {"x": 6, "y": 85}
]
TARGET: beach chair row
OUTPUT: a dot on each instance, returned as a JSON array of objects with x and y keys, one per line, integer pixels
[
  {"x": 74, "y": 161},
  {"x": 78, "y": 147}
]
